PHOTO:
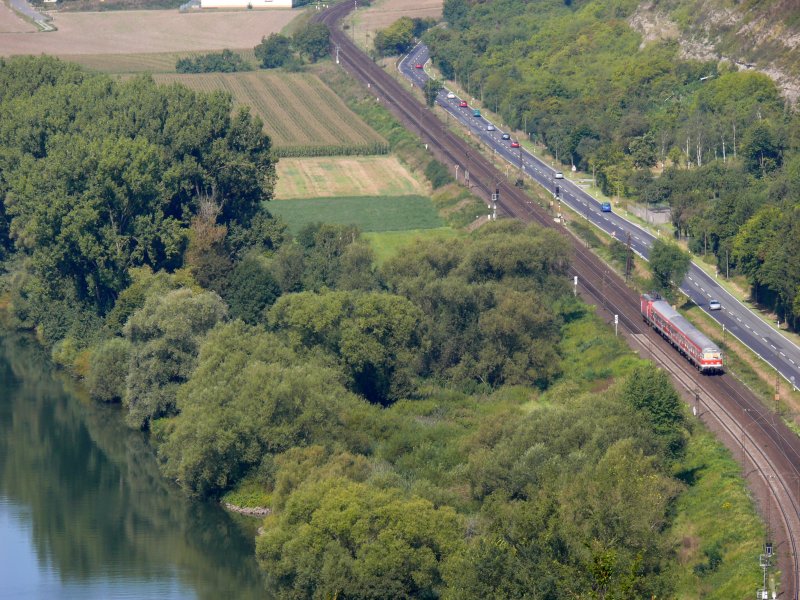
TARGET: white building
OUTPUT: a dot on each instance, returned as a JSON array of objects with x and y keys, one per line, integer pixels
[{"x": 247, "y": 3}]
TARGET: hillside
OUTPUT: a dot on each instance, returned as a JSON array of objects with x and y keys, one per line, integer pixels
[{"x": 753, "y": 34}]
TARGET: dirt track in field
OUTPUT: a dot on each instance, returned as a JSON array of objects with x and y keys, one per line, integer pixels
[{"x": 143, "y": 31}]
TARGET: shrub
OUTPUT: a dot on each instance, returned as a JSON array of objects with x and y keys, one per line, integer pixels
[{"x": 108, "y": 368}]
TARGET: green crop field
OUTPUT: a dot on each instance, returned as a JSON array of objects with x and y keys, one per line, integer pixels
[
  {"x": 301, "y": 114},
  {"x": 370, "y": 213},
  {"x": 387, "y": 244}
]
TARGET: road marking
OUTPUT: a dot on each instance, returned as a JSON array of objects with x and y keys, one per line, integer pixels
[
  {"x": 773, "y": 347},
  {"x": 738, "y": 319},
  {"x": 782, "y": 354},
  {"x": 763, "y": 338},
  {"x": 690, "y": 278},
  {"x": 746, "y": 325},
  {"x": 704, "y": 289},
  {"x": 791, "y": 361}
]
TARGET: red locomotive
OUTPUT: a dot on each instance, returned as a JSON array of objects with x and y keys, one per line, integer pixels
[{"x": 701, "y": 351}]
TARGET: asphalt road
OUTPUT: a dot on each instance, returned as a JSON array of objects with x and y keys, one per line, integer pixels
[{"x": 782, "y": 354}]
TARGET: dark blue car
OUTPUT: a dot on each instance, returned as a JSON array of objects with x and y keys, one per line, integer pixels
[{"x": 605, "y": 207}]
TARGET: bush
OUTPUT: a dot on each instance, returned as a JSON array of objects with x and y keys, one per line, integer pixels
[
  {"x": 108, "y": 368},
  {"x": 437, "y": 174},
  {"x": 214, "y": 62}
]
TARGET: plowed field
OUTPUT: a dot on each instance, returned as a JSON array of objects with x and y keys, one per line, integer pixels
[{"x": 137, "y": 31}]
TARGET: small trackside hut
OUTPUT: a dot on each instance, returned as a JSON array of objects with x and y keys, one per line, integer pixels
[{"x": 697, "y": 348}]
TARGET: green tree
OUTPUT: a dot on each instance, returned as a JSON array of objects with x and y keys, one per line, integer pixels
[
  {"x": 668, "y": 265},
  {"x": 762, "y": 148},
  {"x": 374, "y": 336},
  {"x": 109, "y": 175},
  {"x": 250, "y": 397},
  {"x": 164, "y": 336},
  {"x": 350, "y": 540},
  {"x": 432, "y": 89},
  {"x": 274, "y": 51},
  {"x": 395, "y": 39},
  {"x": 455, "y": 13},
  {"x": 250, "y": 289},
  {"x": 313, "y": 41},
  {"x": 108, "y": 369},
  {"x": 650, "y": 391}
]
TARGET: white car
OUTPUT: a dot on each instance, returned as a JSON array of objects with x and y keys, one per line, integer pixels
[
  {"x": 490, "y": 128},
  {"x": 559, "y": 175},
  {"x": 451, "y": 96},
  {"x": 714, "y": 305}
]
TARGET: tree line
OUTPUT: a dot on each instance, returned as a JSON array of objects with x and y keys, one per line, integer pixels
[
  {"x": 716, "y": 145},
  {"x": 425, "y": 427}
]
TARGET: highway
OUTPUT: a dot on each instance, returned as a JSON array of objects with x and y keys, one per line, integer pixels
[{"x": 739, "y": 321}]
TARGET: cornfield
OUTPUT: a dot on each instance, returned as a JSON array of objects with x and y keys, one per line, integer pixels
[{"x": 300, "y": 113}]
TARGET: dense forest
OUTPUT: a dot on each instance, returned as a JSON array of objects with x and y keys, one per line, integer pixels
[
  {"x": 720, "y": 147},
  {"x": 452, "y": 423}
]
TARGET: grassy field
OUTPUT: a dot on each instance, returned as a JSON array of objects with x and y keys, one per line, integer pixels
[
  {"x": 144, "y": 62},
  {"x": 148, "y": 31},
  {"x": 388, "y": 243},
  {"x": 300, "y": 113},
  {"x": 385, "y": 12},
  {"x": 345, "y": 176},
  {"x": 715, "y": 513},
  {"x": 370, "y": 213}
]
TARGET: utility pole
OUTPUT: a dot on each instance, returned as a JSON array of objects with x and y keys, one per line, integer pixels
[
  {"x": 777, "y": 389},
  {"x": 628, "y": 258}
]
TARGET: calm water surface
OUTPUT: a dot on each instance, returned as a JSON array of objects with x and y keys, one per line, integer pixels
[{"x": 84, "y": 512}]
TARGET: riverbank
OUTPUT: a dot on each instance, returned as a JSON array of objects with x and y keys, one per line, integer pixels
[{"x": 255, "y": 511}]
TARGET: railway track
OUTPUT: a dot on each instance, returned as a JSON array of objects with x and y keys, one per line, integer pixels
[{"x": 764, "y": 442}]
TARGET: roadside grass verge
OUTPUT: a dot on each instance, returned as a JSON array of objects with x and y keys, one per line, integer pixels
[
  {"x": 369, "y": 213},
  {"x": 387, "y": 244},
  {"x": 747, "y": 367}
]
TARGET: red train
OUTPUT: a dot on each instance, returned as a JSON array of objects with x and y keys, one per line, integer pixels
[{"x": 701, "y": 351}]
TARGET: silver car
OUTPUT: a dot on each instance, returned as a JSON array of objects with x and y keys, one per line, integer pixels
[{"x": 714, "y": 305}]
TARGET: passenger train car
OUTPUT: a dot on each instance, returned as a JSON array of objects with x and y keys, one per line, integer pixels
[{"x": 701, "y": 351}]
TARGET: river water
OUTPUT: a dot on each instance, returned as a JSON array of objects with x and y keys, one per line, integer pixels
[{"x": 84, "y": 511}]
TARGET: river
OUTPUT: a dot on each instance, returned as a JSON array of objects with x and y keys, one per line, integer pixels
[{"x": 84, "y": 511}]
